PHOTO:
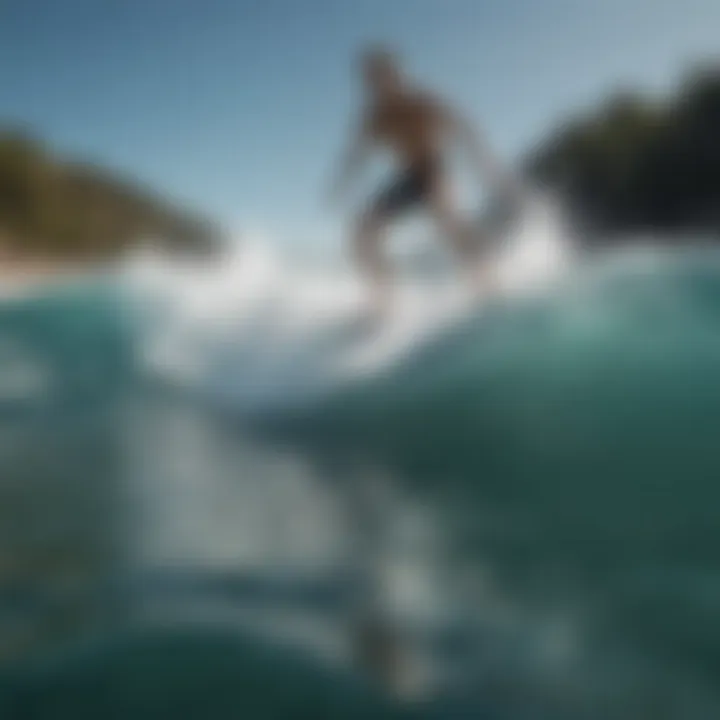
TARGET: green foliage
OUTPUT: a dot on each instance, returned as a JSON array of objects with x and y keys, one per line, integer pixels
[
  {"x": 638, "y": 165},
  {"x": 54, "y": 208}
]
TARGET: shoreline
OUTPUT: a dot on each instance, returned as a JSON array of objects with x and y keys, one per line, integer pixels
[{"x": 19, "y": 275}]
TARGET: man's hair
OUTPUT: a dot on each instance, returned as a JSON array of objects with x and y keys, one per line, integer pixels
[{"x": 379, "y": 57}]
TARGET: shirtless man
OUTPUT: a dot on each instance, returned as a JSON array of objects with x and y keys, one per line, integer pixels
[{"x": 413, "y": 126}]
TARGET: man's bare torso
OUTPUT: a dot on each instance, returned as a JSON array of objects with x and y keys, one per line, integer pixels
[{"x": 409, "y": 125}]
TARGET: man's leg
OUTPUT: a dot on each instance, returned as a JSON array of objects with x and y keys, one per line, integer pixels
[
  {"x": 402, "y": 194},
  {"x": 463, "y": 238},
  {"x": 450, "y": 221},
  {"x": 368, "y": 250}
]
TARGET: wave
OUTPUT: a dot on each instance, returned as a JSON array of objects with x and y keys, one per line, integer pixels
[
  {"x": 564, "y": 431},
  {"x": 63, "y": 342},
  {"x": 196, "y": 671}
]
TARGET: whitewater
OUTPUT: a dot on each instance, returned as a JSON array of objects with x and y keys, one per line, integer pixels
[{"x": 262, "y": 331}]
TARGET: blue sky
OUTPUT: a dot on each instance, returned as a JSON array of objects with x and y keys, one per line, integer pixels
[{"x": 240, "y": 106}]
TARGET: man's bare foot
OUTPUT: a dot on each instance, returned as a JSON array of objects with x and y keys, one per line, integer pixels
[{"x": 482, "y": 279}]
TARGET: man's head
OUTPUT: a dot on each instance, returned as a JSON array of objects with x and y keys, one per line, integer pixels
[{"x": 380, "y": 71}]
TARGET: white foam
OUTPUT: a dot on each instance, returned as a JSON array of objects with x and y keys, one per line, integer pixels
[{"x": 262, "y": 330}]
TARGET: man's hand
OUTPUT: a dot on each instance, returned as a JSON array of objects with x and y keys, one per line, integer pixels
[{"x": 351, "y": 164}]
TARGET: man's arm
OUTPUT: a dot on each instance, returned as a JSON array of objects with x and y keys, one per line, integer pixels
[
  {"x": 482, "y": 158},
  {"x": 352, "y": 160}
]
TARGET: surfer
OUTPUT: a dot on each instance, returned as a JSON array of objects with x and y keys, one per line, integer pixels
[{"x": 412, "y": 125}]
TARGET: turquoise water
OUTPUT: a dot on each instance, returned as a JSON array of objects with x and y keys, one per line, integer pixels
[{"x": 562, "y": 449}]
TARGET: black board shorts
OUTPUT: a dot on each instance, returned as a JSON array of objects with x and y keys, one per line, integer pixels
[{"x": 412, "y": 187}]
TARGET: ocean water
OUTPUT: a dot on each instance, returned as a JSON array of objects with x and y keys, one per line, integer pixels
[{"x": 206, "y": 472}]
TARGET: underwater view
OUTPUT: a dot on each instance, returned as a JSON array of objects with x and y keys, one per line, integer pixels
[{"x": 197, "y": 515}]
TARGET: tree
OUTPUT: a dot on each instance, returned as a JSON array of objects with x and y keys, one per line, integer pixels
[
  {"x": 637, "y": 165},
  {"x": 57, "y": 208}
]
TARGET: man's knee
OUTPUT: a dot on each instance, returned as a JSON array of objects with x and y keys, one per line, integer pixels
[
  {"x": 457, "y": 231},
  {"x": 370, "y": 223},
  {"x": 369, "y": 228}
]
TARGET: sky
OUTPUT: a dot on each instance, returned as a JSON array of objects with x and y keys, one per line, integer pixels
[{"x": 240, "y": 107}]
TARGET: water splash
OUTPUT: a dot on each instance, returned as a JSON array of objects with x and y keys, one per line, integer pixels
[{"x": 262, "y": 331}]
